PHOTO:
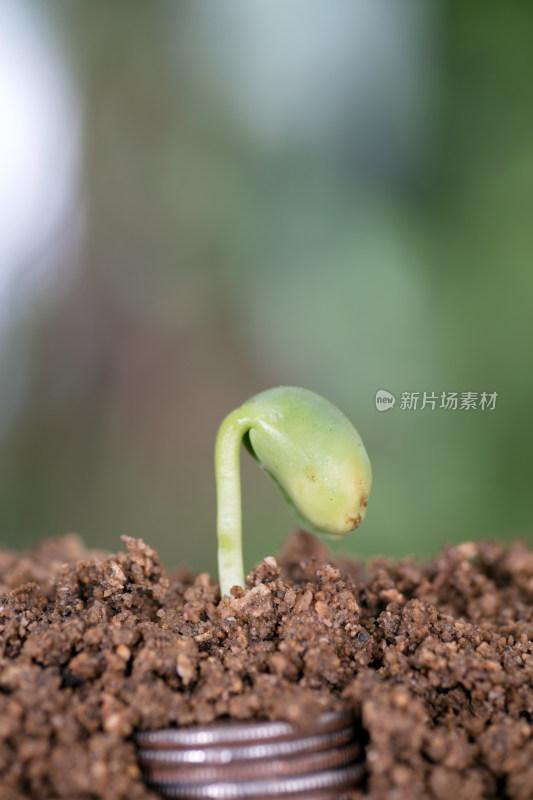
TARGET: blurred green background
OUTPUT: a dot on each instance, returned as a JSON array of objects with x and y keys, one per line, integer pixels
[{"x": 200, "y": 200}]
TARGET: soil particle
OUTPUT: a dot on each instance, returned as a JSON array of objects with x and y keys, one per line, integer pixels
[{"x": 435, "y": 658}]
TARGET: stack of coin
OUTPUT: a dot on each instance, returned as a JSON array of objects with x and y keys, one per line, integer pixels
[{"x": 255, "y": 760}]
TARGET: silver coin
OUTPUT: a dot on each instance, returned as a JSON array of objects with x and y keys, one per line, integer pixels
[
  {"x": 304, "y": 786},
  {"x": 235, "y": 733},
  {"x": 334, "y": 758},
  {"x": 252, "y": 760},
  {"x": 256, "y": 751}
]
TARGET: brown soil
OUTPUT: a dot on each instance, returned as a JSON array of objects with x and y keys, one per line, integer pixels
[{"x": 437, "y": 659}]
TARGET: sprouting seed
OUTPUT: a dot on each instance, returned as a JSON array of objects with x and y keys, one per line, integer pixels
[{"x": 310, "y": 450}]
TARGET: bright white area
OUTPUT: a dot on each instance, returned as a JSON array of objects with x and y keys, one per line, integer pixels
[
  {"x": 39, "y": 156},
  {"x": 40, "y": 211}
]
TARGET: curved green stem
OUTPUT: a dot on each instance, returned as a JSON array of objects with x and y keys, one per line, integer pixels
[{"x": 229, "y": 524}]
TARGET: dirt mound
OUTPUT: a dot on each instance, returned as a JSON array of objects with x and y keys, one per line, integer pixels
[{"x": 436, "y": 659}]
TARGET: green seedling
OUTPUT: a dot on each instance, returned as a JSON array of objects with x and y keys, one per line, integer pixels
[{"x": 310, "y": 450}]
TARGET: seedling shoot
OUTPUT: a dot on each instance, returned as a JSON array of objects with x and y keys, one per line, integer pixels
[{"x": 310, "y": 450}]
